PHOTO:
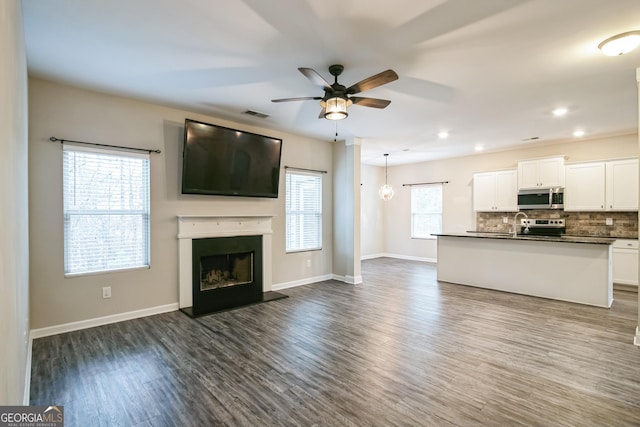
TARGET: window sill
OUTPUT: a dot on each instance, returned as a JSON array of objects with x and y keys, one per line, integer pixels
[{"x": 95, "y": 273}]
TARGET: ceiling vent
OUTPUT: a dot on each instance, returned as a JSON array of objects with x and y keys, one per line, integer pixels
[{"x": 256, "y": 114}]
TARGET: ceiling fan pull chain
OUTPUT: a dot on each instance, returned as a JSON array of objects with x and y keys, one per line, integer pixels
[{"x": 335, "y": 139}]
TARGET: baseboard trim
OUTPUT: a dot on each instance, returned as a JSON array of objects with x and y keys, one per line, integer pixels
[
  {"x": 99, "y": 321},
  {"x": 398, "y": 256},
  {"x": 353, "y": 280},
  {"x": 301, "y": 282},
  {"x": 372, "y": 256},
  {"x": 636, "y": 339}
]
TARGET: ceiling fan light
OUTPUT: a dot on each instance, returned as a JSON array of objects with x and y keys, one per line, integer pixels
[
  {"x": 620, "y": 43},
  {"x": 335, "y": 108}
]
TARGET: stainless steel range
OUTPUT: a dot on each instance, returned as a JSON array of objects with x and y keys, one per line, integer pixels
[{"x": 542, "y": 227}]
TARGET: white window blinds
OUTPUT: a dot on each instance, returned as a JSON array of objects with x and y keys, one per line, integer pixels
[
  {"x": 303, "y": 210},
  {"x": 106, "y": 210},
  {"x": 426, "y": 210}
]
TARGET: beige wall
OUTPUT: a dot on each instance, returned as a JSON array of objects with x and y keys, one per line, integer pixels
[
  {"x": 14, "y": 208},
  {"x": 76, "y": 114},
  {"x": 458, "y": 215},
  {"x": 372, "y": 215}
]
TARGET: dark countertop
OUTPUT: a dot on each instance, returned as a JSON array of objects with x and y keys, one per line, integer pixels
[{"x": 506, "y": 236}]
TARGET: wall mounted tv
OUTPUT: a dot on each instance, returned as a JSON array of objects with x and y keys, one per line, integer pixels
[{"x": 228, "y": 162}]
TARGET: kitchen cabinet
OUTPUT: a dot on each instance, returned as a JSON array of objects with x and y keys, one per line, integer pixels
[
  {"x": 495, "y": 191},
  {"x": 602, "y": 186},
  {"x": 622, "y": 185},
  {"x": 584, "y": 187},
  {"x": 541, "y": 173},
  {"x": 625, "y": 262}
]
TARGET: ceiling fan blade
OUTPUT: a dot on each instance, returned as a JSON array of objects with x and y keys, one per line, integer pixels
[
  {"x": 374, "y": 81},
  {"x": 301, "y": 98},
  {"x": 322, "y": 113},
  {"x": 316, "y": 78},
  {"x": 370, "y": 102}
]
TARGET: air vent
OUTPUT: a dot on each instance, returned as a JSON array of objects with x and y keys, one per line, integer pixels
[
  {"x": 256, "y": 114},
  {"x": 533, "y": 138}
]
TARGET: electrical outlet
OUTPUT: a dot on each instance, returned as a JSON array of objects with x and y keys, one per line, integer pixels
[
  {"x": 505, "y": 220},
  {"x": 608, "y": 221},
  {"x": 106, "y": 292}
]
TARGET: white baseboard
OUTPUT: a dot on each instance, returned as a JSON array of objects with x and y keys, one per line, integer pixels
[
  {"x": 398, "y": 256},
  {"x": 301, "y": 282},
  {"x": 353, "y": 280},
  {"x": 99, "y": 321},
  {"x": 372, "y": 256},
  {"x": 636, "y": 339}
]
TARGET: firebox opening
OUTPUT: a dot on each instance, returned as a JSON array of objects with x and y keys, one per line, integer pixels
[{"x": 221, "y": 271}]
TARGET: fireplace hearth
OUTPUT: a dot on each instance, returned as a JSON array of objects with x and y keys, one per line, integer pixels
[
  {"x": 225, "y": 263},
  {"x": 227, "y": 273}
]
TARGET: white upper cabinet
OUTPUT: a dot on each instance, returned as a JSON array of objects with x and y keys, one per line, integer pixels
[
  {"x": 622, "y": 185},
  {"x": 495, "y": 191},
  {"x": 585, "y": 189},
  {"x": 602, "y": 186},
  {"x": 541, "y": 173}
]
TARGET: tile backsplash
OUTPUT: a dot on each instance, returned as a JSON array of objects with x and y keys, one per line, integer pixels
[{"x": 625, "y": 224}]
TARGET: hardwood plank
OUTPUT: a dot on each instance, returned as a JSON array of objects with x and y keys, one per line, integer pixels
[{"x": 399, "y": 349}]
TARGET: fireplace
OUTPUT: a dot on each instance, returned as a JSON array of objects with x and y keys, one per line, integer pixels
[
  {"x": 227, "y": 273},
  {"x": 221, "y": 271},
  {"x": 224, "y": 262}
]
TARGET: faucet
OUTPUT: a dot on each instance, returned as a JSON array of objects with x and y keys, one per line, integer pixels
[{"x": 515, "y": 217}]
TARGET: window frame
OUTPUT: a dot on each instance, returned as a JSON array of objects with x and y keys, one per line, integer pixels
[
  {"x": 144, "y": 211},
  {"x": 317, "y": 213},
  {"x": 414, "y": 213}
]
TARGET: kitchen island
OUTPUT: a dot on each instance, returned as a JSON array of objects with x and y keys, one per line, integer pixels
[{"x": 567, "y": 268}]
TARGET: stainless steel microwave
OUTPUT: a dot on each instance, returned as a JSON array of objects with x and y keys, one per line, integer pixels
[{"x": 541, "y": 198}]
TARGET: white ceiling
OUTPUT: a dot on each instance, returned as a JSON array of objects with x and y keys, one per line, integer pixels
[{"x": 487, "y": 71}]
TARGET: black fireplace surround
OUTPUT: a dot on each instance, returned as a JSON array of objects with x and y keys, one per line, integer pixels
[{"x": 226, "y": 296}]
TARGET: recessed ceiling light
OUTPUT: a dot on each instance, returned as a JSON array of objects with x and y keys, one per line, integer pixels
[
  {"x": 479, "y": 147},
  {"x": 620, "y": 43},
  {"x": 558, "y": 112},
  {"x": 443, "y": 134},
  {"x": 578, "y": 133}
]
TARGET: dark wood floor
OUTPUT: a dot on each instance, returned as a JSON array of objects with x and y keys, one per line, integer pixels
[{"x": 398, "y": 350}]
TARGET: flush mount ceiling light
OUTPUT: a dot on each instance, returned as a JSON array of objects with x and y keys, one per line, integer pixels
[
  {"x": 385, "y": 192},
  {"x": 443, "y": 134},
  {"x": 620, "y": 43},
  {"x": 578, "y": 133}
]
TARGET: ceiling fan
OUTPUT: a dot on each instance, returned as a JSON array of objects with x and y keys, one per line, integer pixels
[{"x": 337, "y": 97}]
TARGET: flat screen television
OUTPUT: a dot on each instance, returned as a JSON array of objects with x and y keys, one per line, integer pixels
[{"x": 220, "y": 161}]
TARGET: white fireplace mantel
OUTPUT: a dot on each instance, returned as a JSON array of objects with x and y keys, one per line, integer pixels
[{"x": 207, "y": 226}]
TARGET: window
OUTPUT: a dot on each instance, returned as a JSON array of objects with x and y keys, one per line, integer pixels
[
  {"x": 426, "y": 210},
  {"x": 303, "y": 211},
  {"x": 106, "y": 210}
]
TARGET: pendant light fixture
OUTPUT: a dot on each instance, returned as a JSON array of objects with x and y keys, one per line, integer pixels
[{"x": 385, "y": 192}]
